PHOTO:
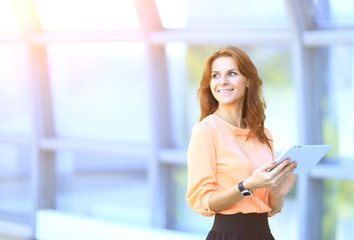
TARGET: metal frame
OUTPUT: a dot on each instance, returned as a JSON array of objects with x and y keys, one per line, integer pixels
[
  {"x": 159, "y": 111},
  {"x": 303, "y": 37}
]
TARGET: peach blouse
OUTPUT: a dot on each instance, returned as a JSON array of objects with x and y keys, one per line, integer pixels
[{"x": 220, "y": 157}]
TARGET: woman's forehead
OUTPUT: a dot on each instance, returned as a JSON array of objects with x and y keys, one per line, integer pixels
[{"x": 223, "y": 63}]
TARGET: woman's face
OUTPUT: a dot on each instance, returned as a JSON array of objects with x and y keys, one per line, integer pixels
[{"x": 227, "y": 84}]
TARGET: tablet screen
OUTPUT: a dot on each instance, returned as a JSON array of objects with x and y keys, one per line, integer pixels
[{"x": 307, "y": 156}]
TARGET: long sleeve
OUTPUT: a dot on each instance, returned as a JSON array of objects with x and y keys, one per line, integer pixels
[{"x": 201, "y": 169}]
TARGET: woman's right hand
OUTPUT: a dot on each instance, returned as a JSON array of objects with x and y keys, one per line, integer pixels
[{"x": 262, "y": 178}]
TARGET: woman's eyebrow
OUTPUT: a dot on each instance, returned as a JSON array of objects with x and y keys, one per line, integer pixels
[{"x": 233, "y": 69}]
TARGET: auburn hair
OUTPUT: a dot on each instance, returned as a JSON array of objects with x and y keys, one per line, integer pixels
[{"x": 253, "y": 104}]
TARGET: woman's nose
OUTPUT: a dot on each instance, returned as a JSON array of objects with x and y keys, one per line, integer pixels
[{"x": 223, "y": 80}]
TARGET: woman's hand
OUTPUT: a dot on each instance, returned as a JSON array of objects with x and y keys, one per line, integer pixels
[
  {"x": 279, "y": 179},
  {"x": 284, "y": 187}
]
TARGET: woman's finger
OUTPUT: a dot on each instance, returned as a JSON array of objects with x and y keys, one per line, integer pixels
[
  {"x": 267, "y": 167},
  {"x": 278, "y": 168},
  {"x": 285, "y": 172}
]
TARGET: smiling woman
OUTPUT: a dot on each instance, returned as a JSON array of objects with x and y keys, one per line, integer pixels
[
  {"x": 67, "y": 15},
  {"x": 230, "y": 152}
]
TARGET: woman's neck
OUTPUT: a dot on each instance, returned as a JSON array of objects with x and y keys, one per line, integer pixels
[{"x": 231, "y": 115}]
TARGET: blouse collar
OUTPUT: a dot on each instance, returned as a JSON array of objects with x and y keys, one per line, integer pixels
[{"x": 234, "y": 129}]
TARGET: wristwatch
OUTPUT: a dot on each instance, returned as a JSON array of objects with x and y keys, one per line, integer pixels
[{"x": 244, "y": 192}]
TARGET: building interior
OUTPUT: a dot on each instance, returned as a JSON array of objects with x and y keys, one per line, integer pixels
[{"x": 98, "y": 99}]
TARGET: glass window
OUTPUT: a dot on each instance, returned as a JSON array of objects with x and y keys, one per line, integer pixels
[
  {"x": 68, "y": 15},
  {"x": 15, "y": 179},
  {"x": 100, "y": 91},
  {"x": 8, "y": 19},
  {"x": 222, "y": 14},
  {"x": 14, "y": 88},
  {"x": 103, "y": 187},
  {"x": 338, "y": 101},
  {"x": 186, "y": 64},
  {"x": 338, "y": 216},
  {"x": 334, "y": 13}
]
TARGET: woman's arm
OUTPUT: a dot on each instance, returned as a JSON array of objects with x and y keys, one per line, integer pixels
[
  {"x": 276, "y": 203},
  {"x": 277, "y": 194},
  {"x": 223, "y": 199}
]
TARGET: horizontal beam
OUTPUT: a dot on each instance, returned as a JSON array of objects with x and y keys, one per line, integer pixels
[
  {"x": 109, "y": 147},
  {"x": 173, "y": 156},
  {"x": 333, "y": 170},
  {"x": 315, "y": 38},
  {"x": 223, "y": 36},
  {"x": 11, "y": 37},
  {"x": 86, "y": 36},
  {"x": 15, "y": 218},
  {"x": 15, "y": 138},
  {"x": 318, "y": 38}
]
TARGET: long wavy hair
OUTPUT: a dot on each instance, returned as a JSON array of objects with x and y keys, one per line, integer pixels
[{"x": 253, "y": 104}]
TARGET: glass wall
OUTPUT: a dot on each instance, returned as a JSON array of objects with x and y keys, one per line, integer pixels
[
  {"x": 78, "y": 95},
  {"x": 100, "y": 91},
  {"x": 83, "y": 15},
  {"x": 338, "y": 102},
  {"x": 8, "y": 18},
  {"x": 15, "y": 89},
  {"x": 15, "y": 185},
  {"x": 338, "y": 217},
  {"x": 103, "y": 187},
  {"x": 338, "y": 126},
  {"x": 222, "y": 14},
  {"x": 334, "y": 13}
]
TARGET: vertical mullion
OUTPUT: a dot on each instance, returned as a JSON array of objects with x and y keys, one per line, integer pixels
[
  {"x": 309, "y": 191},
  {"x": 43, "y": 172},
  {"x": 43, "y": 125},
  {"x": 159, "y": 110},
  {"x": 160, "y": 135}
]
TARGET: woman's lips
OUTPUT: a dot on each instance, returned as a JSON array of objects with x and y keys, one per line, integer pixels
[{"x": 224, "y": 91}]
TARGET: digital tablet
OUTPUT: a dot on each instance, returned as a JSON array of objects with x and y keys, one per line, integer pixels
[{"x": 306, "y": 156}]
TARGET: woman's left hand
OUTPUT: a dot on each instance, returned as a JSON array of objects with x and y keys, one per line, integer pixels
[{"x": 284, "y": 187}]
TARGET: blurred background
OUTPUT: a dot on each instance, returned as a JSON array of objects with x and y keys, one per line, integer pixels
[{"x": 98, "y": 99}]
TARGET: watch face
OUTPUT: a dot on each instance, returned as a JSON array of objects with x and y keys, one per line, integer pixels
[{"x": 246, "y": 193}]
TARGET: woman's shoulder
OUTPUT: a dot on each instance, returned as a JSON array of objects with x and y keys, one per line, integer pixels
[{"x": 207, "y": 124}]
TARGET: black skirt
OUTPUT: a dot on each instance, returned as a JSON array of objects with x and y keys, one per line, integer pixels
[{"x": 251, "y": 226}]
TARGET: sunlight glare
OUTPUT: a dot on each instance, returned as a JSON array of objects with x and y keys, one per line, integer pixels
[
  {"x": 8, "y": 19},
  {"x": 173, "y": 13},
  {"x": 85, "y": 15}
]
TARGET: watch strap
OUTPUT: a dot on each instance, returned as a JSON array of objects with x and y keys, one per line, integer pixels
[{"x": 244, "y": 192}]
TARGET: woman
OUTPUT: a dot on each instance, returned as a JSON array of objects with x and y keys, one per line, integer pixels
[{"x": 231, "y": 154}]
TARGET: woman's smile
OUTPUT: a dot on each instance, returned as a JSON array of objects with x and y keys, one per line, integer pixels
[{"x": 224, "y": 91}]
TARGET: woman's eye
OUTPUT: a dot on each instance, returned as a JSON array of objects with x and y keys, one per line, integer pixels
[
  {"x": 233, "y": 74},
  {"x": 216, "y": 75}
]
